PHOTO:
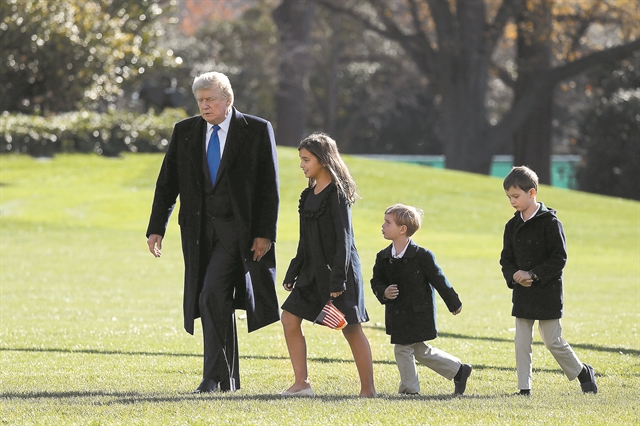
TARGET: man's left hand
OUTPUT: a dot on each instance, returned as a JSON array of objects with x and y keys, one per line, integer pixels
[{"x": 260, "y": 247}]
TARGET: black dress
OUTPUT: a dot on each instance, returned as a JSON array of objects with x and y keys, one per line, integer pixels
[{"x": 326, "y": 260}]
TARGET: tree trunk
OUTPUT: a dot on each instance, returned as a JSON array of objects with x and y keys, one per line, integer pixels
[
  {"x": 532, "y": 140},
  {"x": 293, "y": 18},
  {"x": 332, "y": 75},
  {"x": 457, "y": 71},
  {"x": 463, "y": 75}
]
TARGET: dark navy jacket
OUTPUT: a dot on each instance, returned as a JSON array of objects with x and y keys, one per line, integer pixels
[
  {"x": 411, "y": 317},
  {"x": 536, "y": 245}
]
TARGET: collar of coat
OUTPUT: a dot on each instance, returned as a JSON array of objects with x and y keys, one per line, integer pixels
[
  {"x": 542, "y": 211},
  {"x": 235, "y": 136},
  {"x": 411, "y": 251}
]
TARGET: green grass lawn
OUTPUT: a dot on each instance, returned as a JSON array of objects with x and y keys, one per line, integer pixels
[{"x": 91, "y": 324}]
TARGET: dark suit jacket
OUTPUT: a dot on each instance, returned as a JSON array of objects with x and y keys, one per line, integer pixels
[
  {"x": 248, "y": 177},
  {"x": 411, "y": 317}
]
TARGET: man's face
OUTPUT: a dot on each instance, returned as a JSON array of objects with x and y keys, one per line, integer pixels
[{"x": 213, "y": 106}]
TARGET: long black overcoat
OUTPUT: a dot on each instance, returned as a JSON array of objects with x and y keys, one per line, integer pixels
[
  {"x": 249, "y": 168},
  {"x": 536, "y": 245},
  {"x": 411, "y": 317}
]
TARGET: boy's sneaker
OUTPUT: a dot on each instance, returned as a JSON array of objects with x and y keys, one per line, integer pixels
[
  {"x": 460, "y": 381},
  {"x": 523, "y": 392},
  {"x": 587, "y": 379}
]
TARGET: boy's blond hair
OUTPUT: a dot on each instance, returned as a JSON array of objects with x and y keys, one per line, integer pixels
[{"x": 409, "y": 216}]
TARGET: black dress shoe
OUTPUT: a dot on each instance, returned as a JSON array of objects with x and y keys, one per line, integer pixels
[
  {"x": 588, "y": 383},
  {"x": 206, "y": 386},
  {"x": 460, "y": 381}
]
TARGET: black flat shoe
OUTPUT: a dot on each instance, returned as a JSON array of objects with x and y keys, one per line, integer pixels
[{"x": 206, "y": 386}]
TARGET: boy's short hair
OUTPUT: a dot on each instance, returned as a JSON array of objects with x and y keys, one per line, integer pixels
[
  {"x": 521, "y": 177},
  {"x": 409, "y": 216}
]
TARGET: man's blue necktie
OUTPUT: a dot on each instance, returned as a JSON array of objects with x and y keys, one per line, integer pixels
[{"x": 213, "y": 153}]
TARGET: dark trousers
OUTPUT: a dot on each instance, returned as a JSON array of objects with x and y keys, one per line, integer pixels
[{"x": 216, "y": 304}]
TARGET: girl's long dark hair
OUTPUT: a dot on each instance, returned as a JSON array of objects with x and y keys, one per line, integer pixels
[{"x": 326, "y": 151}]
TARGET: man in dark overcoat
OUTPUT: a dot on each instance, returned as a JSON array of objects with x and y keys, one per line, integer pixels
[{"x": 223, "y": 165}]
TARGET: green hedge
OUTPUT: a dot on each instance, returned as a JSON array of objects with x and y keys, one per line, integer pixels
[{"x": 106, "y": 134}]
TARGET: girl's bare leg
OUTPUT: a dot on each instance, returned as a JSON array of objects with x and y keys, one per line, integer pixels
[
  {"x": 362, "y": 356},
  {"x": 297, "y": 346}
]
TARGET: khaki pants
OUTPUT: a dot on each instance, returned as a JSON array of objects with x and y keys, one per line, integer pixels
[
  {"x": 551, "y": 334},
  {"x": 439, "y": 361}
]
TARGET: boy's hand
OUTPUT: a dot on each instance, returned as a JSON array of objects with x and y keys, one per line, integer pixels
[
  {"x": 457, "y": 311},
  {"x": 288, "y": 286},
  {"x": 523, "y": 278},
  {"x": 391, "y": 292}
]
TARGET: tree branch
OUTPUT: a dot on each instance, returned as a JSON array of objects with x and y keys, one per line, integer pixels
[
  {"x": 582, "y": 28},
  {"x": 333, "y": 6},
  {"x": 421, "y": 35},
  {"x": 503, "y": 75},
  {"x": 507, "y": 10},
  {"x": 445, "y": 23},
  {"x": 546, "y": 82},
  {"x": 415, "y": 45}
]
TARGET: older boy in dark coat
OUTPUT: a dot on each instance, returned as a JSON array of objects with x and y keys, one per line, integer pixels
[
  {"x": 533, "y": 256},
  {"x": 404, "y": 278}
]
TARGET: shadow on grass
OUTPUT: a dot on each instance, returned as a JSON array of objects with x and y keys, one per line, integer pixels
[
  {"x": 125, "y": 398},
  {"x": 273, "y": 397},
  {"x": 66, "y": 394},
  {"x": 99, "y": 352},
  {"x": 585, "y": 346},
  {"x": 277, "y": 397},
  {"x": 321, "y": 360}
]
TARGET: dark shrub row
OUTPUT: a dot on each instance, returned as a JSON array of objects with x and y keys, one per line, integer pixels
[{"x": 105, "y": 134}]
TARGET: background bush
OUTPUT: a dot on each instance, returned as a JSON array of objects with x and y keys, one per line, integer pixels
[{"x": 106, "y": 134}]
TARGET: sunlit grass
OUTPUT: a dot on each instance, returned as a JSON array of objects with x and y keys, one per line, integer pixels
[{"x": 91, "y": 324}]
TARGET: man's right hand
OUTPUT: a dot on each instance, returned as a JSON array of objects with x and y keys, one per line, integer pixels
[{"x": 155, "y": 244}]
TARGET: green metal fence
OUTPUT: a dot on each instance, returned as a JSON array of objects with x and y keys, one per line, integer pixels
[{"x": 562, "y": 166}]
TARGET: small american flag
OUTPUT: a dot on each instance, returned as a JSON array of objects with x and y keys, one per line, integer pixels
[{"x": 331, "y": 317}]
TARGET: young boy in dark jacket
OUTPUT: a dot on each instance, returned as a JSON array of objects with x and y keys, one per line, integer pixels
[
  {"x": 404, "y": 278},
  {"x": 533, "y": 256}
]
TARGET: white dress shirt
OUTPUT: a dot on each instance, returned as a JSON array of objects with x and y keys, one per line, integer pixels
[{"x": 396, "y": 255}]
